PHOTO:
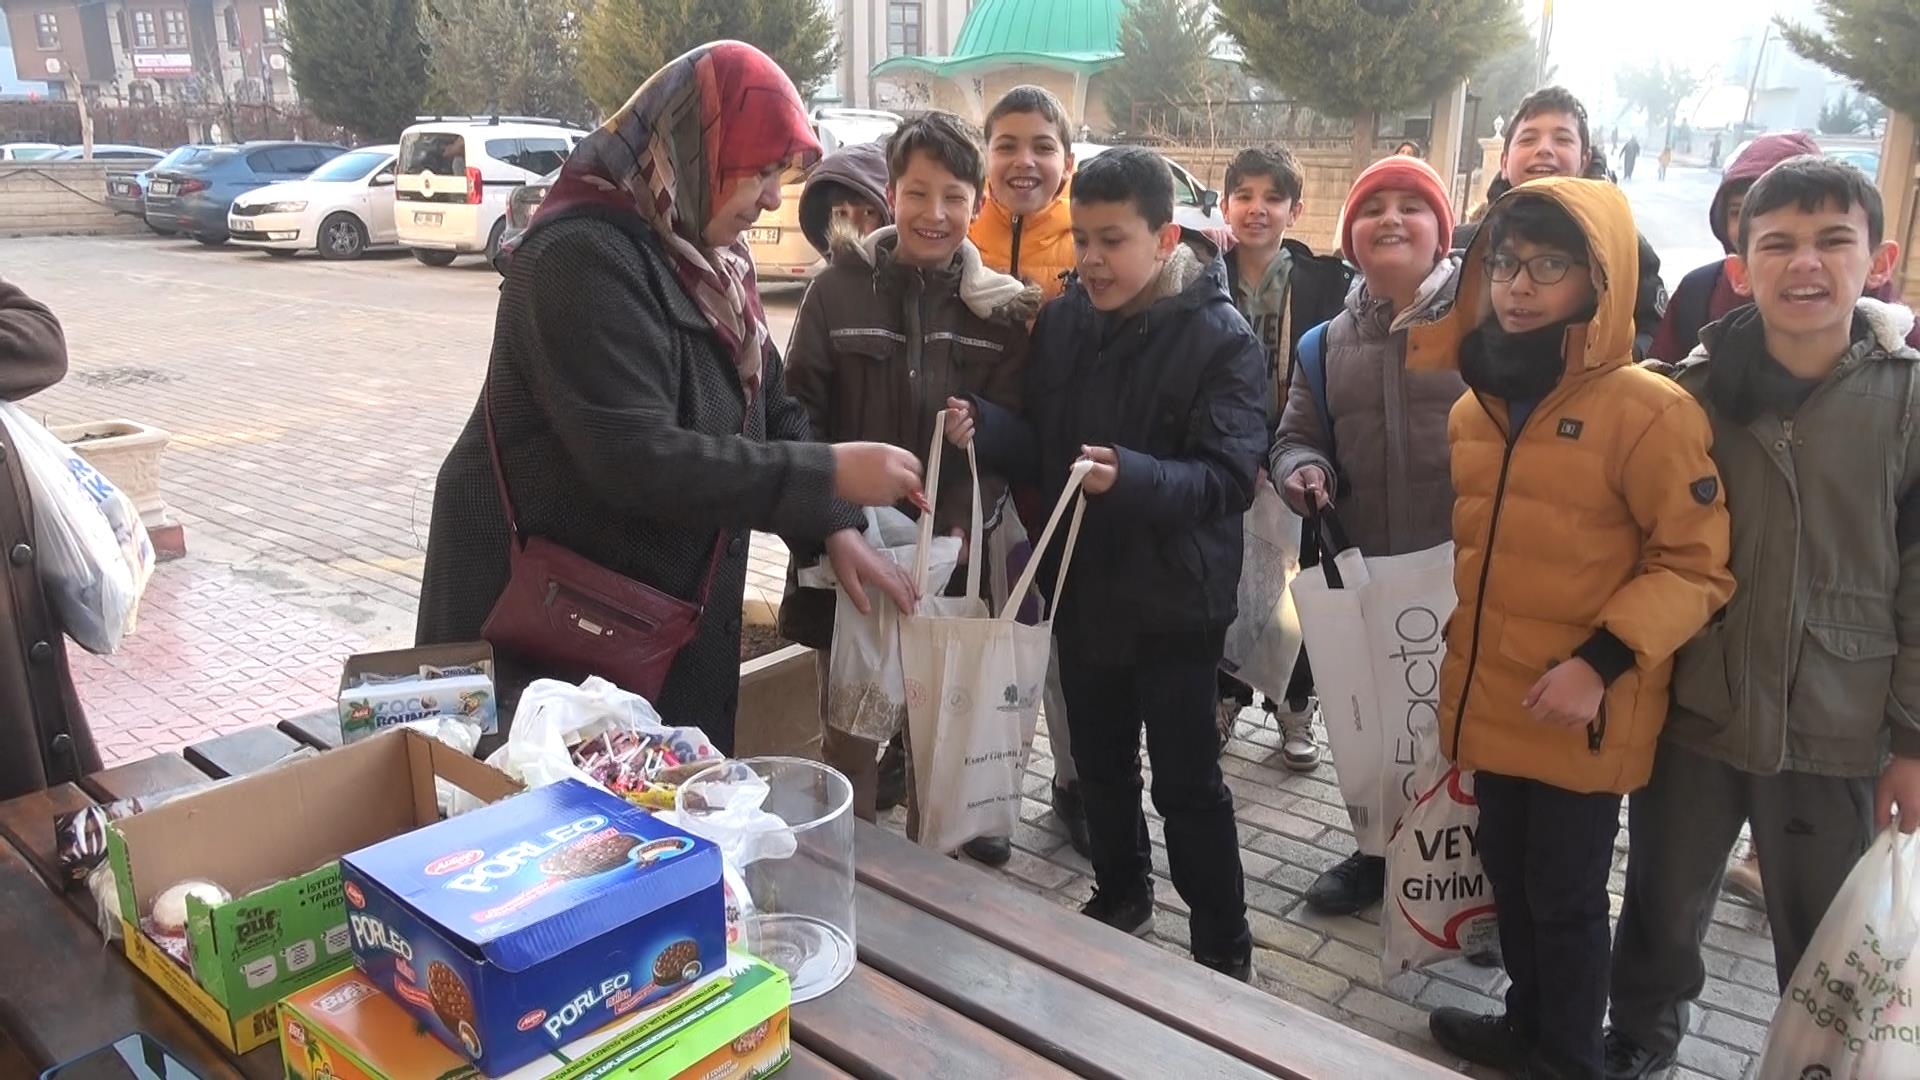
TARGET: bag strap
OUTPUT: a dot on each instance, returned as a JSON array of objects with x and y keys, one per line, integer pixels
[
  {"x": 976, "y": 549},
  {"x": 516, "y": 544},
  {"x": 1333, "y": 540},
  {"x": 1075, "y": 478},
  {"x": 1313, "y": 364}
]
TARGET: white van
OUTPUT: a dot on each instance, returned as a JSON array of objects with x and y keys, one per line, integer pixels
[{"x": 455, "y": 175}]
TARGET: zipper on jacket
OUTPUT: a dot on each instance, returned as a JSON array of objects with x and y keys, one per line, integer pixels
[
  {"x": 1486, "y": 569},
  {"x": 1597, "y": 731},
  {"x": 1013, "y": 270}
]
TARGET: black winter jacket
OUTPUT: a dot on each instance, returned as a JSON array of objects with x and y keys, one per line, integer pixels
[
  {"x": 1317, "y": 288},
  {"x": 1177, "y": 390},
  {"x": 625, "y": 436}
]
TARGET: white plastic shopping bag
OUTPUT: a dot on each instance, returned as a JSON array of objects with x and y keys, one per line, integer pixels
[
  {"x": 973, "y": 686},
  {"x": 1376, "y": 648},
  {"x": 1263, "y": 644},
  {"x": 1439, "y": 903},
  {"x": 93, "y": 553},
  {"x": 866, "y": 694},
  {"x": 1850, "y": 1012},
  {"x": 554, "y": 717}
]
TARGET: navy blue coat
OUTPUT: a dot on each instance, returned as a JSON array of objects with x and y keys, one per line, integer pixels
[{"x": 1177, "y": 390}]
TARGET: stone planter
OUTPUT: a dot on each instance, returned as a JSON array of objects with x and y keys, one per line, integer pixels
[
  {"x": 779, "y": 711},
  {"x": 128, "y": 453}
]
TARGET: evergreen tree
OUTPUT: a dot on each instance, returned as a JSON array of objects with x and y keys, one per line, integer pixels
[
  {"x": 360, "y": 64},
  {"x": 506, "y": 56},
  {"x": 1657, "y": 89},
  {"x": 1359, "y": 58},
  {"x": 1164, "y": 66},
  {"x": 1876, "y": 43},
  {"x": 625, "y": 41}
]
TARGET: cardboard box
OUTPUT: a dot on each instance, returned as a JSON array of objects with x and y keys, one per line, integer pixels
[
  {"x": 367, "y": 709},
  {"x": 720, "y": 1027},
  {"x": 510, "y": 931},
  {"x": 273, "y": 840}
]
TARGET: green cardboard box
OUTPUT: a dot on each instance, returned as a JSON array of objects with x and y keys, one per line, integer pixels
[{"x": 273, "y": 841}]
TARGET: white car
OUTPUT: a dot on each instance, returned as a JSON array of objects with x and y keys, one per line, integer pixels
[
  {"x": 340, "y": 210},
  {"x": 456, "y": 175},
  {"x": 1195, "y": 205},
  {"x": 28, "y": 151}
]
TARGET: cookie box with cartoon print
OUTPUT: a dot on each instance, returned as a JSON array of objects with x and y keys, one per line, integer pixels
[
  {"x": 386, "y": 689},
  {"x": 513, "y": 930},
  {"x": 729, "y": 1025}
]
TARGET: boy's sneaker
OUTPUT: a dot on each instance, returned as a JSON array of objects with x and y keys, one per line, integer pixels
[
  {"x": 1480, "y": 1038},
  {"x": 1227, "y": 717},
  {"x": 1624, "y": 1059},
  {"x": 1743, "y": 877},
  {"x": 1129, "y": 914},
  {"x": 1233, "y": 967},
  {"x": 1298, "y": 750},
  {"x": 991, "y": 850},
  {"x": 1356, "y": 882},
  {"x": 1073, "y": 814}
]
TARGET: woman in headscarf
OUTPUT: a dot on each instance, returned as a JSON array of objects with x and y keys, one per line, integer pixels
[{"x": 640, "y": 412}]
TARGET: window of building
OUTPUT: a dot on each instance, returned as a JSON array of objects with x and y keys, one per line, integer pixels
[
  {"x": 46, "y": 27},
  {"x": 232, "y": 19},
  {"x": 271, "y": 20},
  {"x": 903, "y": 28},
  {"x": 140, "y": 93},
  {"x": 144, "y": 35},
  {"x": 174, "y": 23}
]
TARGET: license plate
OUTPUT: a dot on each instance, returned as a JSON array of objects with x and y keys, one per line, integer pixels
[
  {"x": 428, "y": 219},
  {"x": 162, "y": 187},
  {"x": 763, "y": 236}
]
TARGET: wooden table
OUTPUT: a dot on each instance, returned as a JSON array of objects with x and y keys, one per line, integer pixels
[{"x": 960, "y": 975}]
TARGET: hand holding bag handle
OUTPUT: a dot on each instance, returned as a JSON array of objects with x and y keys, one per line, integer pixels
[
  {"x": 976, "y": 545},
  {"x": 1333, "y": 541}
]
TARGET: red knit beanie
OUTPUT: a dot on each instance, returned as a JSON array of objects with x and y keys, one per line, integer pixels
[{"x": 1405, "y": 174}]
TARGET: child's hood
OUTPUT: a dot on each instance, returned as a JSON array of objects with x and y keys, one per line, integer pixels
[
  {"x": 1613, "y": 247},
  {"x": 861, "y": 169},
  {"x": 987, "y": 293}
]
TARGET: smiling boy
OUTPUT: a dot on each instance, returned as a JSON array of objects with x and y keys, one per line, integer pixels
[
  {"x": 1591, "y": 543},
  {"x": 1798, "y": 711},
  {"x": 1145, "y": 369}
]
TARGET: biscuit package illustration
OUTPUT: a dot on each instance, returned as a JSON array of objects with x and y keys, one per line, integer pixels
[{"x": 513, "y": 930}]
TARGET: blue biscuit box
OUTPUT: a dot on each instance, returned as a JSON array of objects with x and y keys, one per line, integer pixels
[{"x": 519, "y": 927}]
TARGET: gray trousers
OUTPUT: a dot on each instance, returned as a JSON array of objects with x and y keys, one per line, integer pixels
[{"x": 1808, "y": 832}]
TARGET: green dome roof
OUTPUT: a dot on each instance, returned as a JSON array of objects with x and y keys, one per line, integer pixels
[{"x": 1080, "y": 35}]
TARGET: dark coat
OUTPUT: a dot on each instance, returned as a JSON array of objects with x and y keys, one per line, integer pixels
[
  {"x": 625, "y": 436},
  {"x": 1317, "y": 288},
  {"x": 43, "y": 735},
  {"x": 1178, "y": 391},
  {"x": 877, "y": 350}
]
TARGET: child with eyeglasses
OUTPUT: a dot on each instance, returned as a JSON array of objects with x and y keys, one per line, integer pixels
[{"x": 1592, "y": 543}]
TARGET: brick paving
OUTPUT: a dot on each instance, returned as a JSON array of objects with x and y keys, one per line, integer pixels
[{"x": 311, "y": 404}]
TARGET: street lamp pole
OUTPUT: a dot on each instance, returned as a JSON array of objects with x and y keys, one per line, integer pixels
[{"x": 1753, "y": 83}]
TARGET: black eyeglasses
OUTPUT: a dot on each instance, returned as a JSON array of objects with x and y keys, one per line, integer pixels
[{"x": 1543, "y": 269}]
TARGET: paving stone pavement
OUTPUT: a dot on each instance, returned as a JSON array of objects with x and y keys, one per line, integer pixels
[{"x": 311, "y": 404}]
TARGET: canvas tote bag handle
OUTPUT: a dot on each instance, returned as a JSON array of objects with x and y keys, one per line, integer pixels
[{"x": 976, "y": 548}]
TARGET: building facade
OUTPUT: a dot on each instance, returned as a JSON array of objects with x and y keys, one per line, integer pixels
[
  {"x": 132, "y": 52},
  {"x": 872, "y": 31}
]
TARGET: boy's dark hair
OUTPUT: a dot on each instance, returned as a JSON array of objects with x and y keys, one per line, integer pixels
[
  {"x": 1129, "y": 174},
  {"x": 1550, "y": 99},
  {"x": 1032, "y": 99},
  {"x": 1537, "y": 220},
  {"x": 944, "y": 137},
  {"x": 1276, "y": 163},
  {"x": 1809, "y": 182}
]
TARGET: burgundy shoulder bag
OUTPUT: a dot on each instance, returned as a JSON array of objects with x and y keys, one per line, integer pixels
[{"x": 571, "y": 617}]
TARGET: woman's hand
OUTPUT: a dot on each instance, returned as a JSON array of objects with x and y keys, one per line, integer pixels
[
  {"x": 857, "y": 566},
  {"x": 1306, "y": 490},
  {"x": 874, "y": 474},
  {"x": 960, "y": 422}
]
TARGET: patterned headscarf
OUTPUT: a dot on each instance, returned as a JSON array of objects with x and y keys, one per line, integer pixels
[{"x": 721, "y": 111}]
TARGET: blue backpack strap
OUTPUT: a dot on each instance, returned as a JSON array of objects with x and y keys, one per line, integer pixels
[{"x": 1313, "y": 364}]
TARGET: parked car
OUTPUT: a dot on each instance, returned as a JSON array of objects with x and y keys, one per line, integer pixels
[
  {"x": 110, "y": 152},
  {"x": 27, "y": 151},
  {"x": 1195, "y": 205},
  {"x": 127, "y": 191},
  {"x": 193, "y": 198},
  {"x": 344, "y": 207},
  {"x": 456, "y": 176}
]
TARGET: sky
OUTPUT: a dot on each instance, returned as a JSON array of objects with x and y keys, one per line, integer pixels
[{"x": 1592, "y": 39}]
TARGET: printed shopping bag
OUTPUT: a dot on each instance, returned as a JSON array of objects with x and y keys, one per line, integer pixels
[
  {"x": 1263, "y": 644},
  {"x": 974, "y": 682},
  {"x": 1849, "y": 1012},
  {"x": 1439, "y": 903},
  {"x": 866, "y": 693},
  {"x": 1374, "y": 641}
]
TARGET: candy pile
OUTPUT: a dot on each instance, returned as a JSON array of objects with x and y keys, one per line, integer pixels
[{"x": 645, "y": 767}]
